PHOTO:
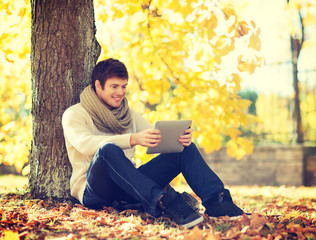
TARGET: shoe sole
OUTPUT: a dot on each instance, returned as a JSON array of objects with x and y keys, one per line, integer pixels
[
  {"x": 193, "y": 223},
  {"x": 235, "y": 217}
]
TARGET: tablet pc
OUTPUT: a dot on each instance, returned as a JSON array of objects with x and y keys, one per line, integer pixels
[{"x": 170, "y": 132}]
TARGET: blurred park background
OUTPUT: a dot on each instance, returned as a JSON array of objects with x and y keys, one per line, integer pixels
[{"x": 274, "y": 143}]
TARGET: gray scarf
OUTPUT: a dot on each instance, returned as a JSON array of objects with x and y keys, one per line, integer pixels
[{"x": 116, "y": 120}]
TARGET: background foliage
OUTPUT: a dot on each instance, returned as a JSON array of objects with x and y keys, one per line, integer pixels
[
  {"x": 15, "y": 80},
  {"x": 176, "y": 53}
]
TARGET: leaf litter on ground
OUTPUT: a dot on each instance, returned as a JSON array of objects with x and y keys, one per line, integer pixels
[{"x": 277, "y": 213}]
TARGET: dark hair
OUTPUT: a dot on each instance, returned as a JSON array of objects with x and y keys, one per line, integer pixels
[{"x": 107, "y": 69}]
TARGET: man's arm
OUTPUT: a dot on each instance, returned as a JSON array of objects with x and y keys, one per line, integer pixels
[
  {"x": 147, "y": 138},
  {"x": 141, "y": 123},
  {"x": 78, "y": 126},
  {"x": 145, "y": 135}
]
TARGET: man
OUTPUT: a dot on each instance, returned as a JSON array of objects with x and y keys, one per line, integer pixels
[{"x": 101, "y": 133}]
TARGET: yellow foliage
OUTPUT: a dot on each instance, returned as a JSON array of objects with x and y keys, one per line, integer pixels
[
  {"x": 276, "y": 121},
  {"x": 173, "y": 50},
  {"x": 308, "y": 110},
  {"x": 249, "y": 64},
  {"x": 15, "y": 92},
  {"x": 310, "y": 18},
  {"x": 239, "y": 147},
  {"x": 308, "y": 12},
  {"x": 117, "y": 12},
  {"x": 254, "y": 41},
  {"x": 242, "y": 29}
]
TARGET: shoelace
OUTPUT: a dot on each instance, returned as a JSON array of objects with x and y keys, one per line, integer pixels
[
  {"x": 221, "y": 197},
  {"x": 224, "y": 197}
]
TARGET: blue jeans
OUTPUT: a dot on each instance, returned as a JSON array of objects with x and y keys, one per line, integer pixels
[{"x": 112, "y": 177}]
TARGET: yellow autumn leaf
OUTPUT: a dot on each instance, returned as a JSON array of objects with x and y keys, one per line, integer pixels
[
  {"x": 242, "y": 29},
  {"x": 224, "y": 45},
  {"x": 246, "y": 64},
  {"x": 238, "y": 147},
  {"x": 117, "y": 13},
  {"x": 232, "y": 132},
  {"x": 10, "y": 235},
  {"x": 194, "y": 234},
  {"x": 103, "y": 17},
  {"x": 228, "y": 11},
  {"x": 186, "y": 7},
  {"x": 211, "y": 142},
  {"x": 255, "y": 42},
  {"x": 253, "y": 24}
]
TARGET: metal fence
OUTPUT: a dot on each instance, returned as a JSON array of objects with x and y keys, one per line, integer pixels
[{"x": 275, "y": 105}]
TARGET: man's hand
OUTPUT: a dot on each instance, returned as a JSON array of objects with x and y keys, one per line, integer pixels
[
  {"x": 186, "y": 138},
  {"x": 146, "y": 138}
]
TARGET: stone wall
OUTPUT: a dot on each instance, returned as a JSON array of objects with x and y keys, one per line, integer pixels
[
  {"x": 267, "y": 165},
  {"x": 310, "y": 167}
]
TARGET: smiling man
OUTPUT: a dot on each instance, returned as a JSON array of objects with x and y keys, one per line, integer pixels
[{"x": 101, "y": 133}]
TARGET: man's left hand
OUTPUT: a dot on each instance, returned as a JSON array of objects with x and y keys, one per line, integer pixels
[{"x": 186, "y": 138}]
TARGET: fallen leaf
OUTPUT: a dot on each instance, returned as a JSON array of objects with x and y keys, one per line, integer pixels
[
  {"x": 194, "y": 234},
  {"x": 214, "y": 236},
  {"x": 10, "y": 235},
  {"x": 257, "y": 221},
  {"x": 88, "y": 213}
]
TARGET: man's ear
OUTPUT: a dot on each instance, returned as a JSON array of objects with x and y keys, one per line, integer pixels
[{"x": 97, "y": 85}]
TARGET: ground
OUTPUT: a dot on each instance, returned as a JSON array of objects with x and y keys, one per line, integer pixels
[{"x": 278, "y": 213}]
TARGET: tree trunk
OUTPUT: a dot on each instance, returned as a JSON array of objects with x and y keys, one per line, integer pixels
[
  {"x": 295, "y": 47},
  {"x": 63, "y": 54}
]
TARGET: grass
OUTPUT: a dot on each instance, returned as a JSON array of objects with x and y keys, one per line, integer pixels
[{"x": 11, "y": 183}]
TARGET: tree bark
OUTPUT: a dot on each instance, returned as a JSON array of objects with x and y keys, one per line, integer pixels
[
  {"x": 63, "y": 53},
  {"x": 296, "y": 46}
]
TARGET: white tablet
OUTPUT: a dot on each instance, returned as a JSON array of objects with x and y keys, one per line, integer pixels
[{"x": 170, "y": 132}]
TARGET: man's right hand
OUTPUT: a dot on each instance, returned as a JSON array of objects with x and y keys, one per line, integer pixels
[{"x": 146, "y": 138}]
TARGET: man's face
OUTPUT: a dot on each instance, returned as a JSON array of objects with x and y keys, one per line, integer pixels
[{"x": 113, "y": 93}]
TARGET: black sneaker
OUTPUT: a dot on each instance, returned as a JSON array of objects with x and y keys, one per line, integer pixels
[
  {"x": 222, "y": 205},
  {"x": 191, "y": 201},
  {"x": 177, "y": 210}
]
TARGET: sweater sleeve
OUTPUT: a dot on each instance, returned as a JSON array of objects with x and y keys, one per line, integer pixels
[
  {"x": 78, "y": 131},
  {"x": 141, "y": 122}
]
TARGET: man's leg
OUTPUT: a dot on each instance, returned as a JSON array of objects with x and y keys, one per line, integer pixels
[
  {"x": 203, "y": 181},
  {"x": 111, "y": 176}
]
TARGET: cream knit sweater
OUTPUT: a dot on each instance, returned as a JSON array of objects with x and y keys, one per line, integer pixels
[{"x": 83, "y": 139}]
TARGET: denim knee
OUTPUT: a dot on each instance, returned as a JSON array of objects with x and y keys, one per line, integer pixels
[
  {"x": 107, "y": 151},
  {"x": 191, "y": 147},
  {"x": 190, "y": 150},
  {"x": 109, "y": 148}
]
